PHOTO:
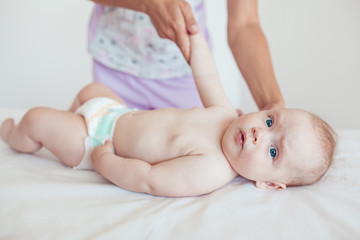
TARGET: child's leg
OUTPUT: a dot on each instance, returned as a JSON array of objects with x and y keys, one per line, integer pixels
[
  {"x": 94, "y": 90},
  {"x": 60, "y": 132}
]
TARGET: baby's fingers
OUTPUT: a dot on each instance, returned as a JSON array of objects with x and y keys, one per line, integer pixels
[
  {"x": 99, "y": 153},
  {"x": 108, "y": 143},
  {"x": 239, "y": 112},
  {"x": 99, "y": 150}
]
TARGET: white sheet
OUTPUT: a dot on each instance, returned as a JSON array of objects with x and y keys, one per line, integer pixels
[{"x": 42, "y": 199}]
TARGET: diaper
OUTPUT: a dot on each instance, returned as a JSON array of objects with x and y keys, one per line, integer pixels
[{"x": 100, "y": 115}]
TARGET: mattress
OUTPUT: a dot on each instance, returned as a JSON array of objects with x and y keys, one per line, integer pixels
[{"x": 40, "y": 198}]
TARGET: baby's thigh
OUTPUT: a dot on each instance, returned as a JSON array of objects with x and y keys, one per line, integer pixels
[{"x": 61, "y": 132}]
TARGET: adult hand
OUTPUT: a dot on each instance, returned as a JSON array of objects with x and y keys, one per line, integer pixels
[{"x": 174, "y": 20}]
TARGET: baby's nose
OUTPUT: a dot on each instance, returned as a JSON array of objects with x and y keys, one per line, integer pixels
[{"x": 257, "y": 134}]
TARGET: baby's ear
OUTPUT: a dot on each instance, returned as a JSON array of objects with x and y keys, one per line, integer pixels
[{"x": 269, "y": 185}]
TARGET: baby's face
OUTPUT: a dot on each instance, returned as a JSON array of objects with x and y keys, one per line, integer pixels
[{"x": 264, "y": 146}]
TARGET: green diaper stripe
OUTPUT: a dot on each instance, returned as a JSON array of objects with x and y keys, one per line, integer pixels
[
  {"x": 96, "y": 142},
  {"x": 105, "y": 124},
  {"x": 103, "y": 130}
]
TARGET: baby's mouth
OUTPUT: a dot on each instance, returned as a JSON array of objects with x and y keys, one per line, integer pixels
[{"x": 241, "y": 138}]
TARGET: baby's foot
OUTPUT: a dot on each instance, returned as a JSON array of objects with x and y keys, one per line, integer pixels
[{"x": 6, "y": 128}]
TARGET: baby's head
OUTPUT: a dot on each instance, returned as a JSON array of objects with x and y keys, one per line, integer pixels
[{"x": 279, "y": 148}]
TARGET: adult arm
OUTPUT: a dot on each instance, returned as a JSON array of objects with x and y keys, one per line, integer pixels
[
  {"x": 179, "y": 177},
  {"x": 172, "y": 19},
  {"x": 251, "y": 52}
]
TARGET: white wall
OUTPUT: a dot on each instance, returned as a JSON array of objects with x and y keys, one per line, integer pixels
[
  {"x": 43, "y": 56},
  {"x": 314, "y": 45},
  {"x": 316, "y": 51}
]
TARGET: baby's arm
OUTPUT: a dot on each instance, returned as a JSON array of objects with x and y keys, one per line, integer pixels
[
  {"x": 206, "y": 75},
  {"x": 184, "y": 176}
]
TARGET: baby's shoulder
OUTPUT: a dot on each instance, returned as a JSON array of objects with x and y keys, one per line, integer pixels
[
  {"x": 216, "y": 164},
  {"x": 221, "y": 112},
  {"x": 209, "y": 172}
]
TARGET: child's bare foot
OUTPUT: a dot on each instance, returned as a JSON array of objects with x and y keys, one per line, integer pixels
[{"x": 6, "y": 128}]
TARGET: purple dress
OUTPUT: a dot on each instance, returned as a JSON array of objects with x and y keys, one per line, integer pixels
[{"x": 146, "y": 71}]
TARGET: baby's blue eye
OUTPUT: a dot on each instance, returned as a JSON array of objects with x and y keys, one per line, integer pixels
[
  {"x": 272, "y": 151},
  {"x": 269, "y": 121}
]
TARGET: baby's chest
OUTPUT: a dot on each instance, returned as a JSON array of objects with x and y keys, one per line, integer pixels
[
  {"x": 156, "y": 146},
  {"x": 153, "y": 138}
]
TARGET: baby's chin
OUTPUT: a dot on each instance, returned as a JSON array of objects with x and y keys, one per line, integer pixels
[{"x": 246, "y": 175}]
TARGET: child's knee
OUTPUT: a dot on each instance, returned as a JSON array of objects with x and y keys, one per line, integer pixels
[{"x": 34, "y": 117}]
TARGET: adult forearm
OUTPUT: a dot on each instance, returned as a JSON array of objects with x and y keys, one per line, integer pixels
[{"x": 251, "y": 52}]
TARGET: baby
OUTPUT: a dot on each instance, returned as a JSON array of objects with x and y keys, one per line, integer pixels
[{"x": 179, "y": 152}]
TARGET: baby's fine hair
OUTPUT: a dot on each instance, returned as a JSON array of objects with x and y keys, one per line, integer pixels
[{"x": 326, "y": 138}]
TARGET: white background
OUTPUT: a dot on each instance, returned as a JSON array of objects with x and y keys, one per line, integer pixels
[{"x": 315, "y": 47}]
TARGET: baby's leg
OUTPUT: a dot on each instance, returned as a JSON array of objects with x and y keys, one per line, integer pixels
[
  {"x": 6, "y": 128},
  {"x": 60, "y": 132},
  {"x": 94, "y": 90}
]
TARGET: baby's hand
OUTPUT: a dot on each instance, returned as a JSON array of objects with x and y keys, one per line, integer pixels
[
  {"x": 100, "y": 151},
  {"x": 239, "y": 112}
]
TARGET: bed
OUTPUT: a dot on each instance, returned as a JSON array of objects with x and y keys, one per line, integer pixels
[{"x": 42, "y": 199}]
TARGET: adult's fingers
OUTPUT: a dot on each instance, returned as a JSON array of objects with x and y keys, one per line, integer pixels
[
  {"x": 183, "y": 42},
  {"x": 190, "y": 22}
]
